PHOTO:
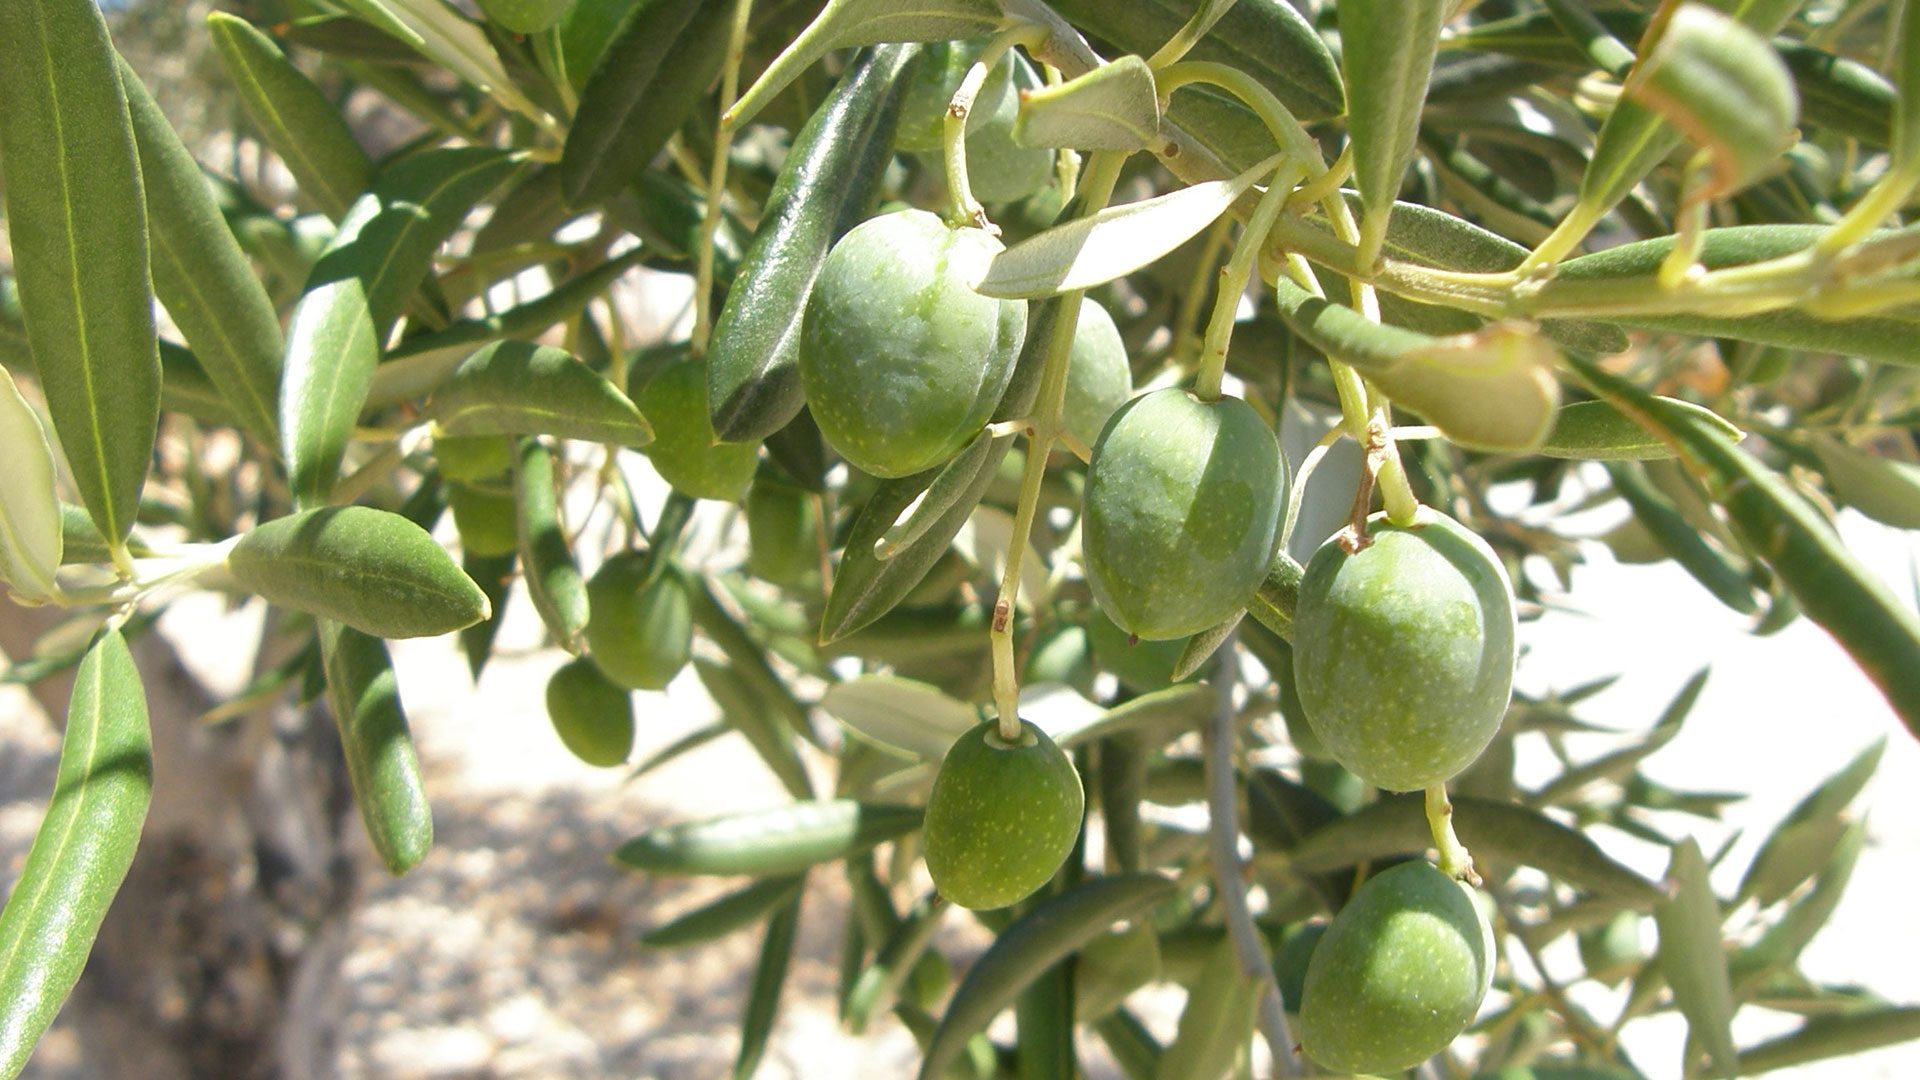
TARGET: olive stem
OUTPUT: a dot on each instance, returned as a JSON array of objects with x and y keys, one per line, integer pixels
[
  {"x": 1455, "y": 860},
  {"x": 1043, "y": 427},
  {"x": 1234, "y": 277},
  {"x": 1189, "y": 35},
  {"x": 717, "y": 177},
  {"x": 1223, "y": 836},
  {"x": 964, "y": 210}
]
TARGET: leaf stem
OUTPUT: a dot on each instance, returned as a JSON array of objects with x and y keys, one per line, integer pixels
[
  {"x": 717, "y": 178},
  {"x": 1234, "y": 277},
  {"x": 1189, "y": 35}
]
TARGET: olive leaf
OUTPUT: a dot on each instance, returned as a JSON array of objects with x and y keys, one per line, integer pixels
[
  {"x": 1596, "y": 431},
  {"x": 949, "y": 489},
  {"x": 769, "y": 977},
  {"x": 382, "y": 767},
  {"x": 293, "y": 115},
  {"x": 1724, "y": 87},
  {"x": 517, "y": 388},
  {"x": 1805, "y": 839},
  {"x": 82, "y": 850},
  {"x": 747, "y": 708},
  {"x": 1115, "y": 242},
  {"x": 1112, "y": 107},
  {"x": 736, "y": 910},
  {"x": 845, "y": 24},
  {"x": 372, "y": 570},
  {"x": 825, "y": 187},
  {"x": 769, "y": 843},
  {"x": 894, "y": 962},
  {"x": 331, "y": 354},
  {"x": 1884, "y": 489},
  {"x": 1696, "y": 551},
  {"x": 1025, "y": 950},
  {"x": 201, "y": 275},
  {"x": 1217, "y": 1023},
  {"x": 1386, "y": 54},
  {"x": 553, "y": 579},
  {"x": 664, "y": 56},
  {"x": 78, "y": 228},
  {"x": 909, "y": 716},
  {"x": 349, "y": 38},
  {"x": 1826, "y": 1037},
  {"x": 1691, "y": 958},
  {"x": 448, "y": 39},
  {"x": 31, "y": 519}
]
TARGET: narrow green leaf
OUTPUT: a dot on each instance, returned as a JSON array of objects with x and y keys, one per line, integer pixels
[
  {"x": 747, "y": 707},
  {"x": 201, "y": 275},
  {"x": 1156, "y": 717},
  {"x": 776, "y": 842},
  {"x": 554, "y": 583},
  {"x": 1596, "y": 431},
  {"x": 1131, "y": 1044},
  {"x": 381, "y": 764},
  {"x": 1034, "y": 943},
  {"x": 294, "y": 116},
  {"x": 1782, "y": 943},
  {"x": 1834, "y": 1036},
  {"x": 1906, "y": 111},
  {"x": 1886, "y": 490},
  {"x": 349, "y": 38},
  {"x": 517, "y": 388},
  {"x": 1386, "y": 54},
  {"x": 449, "y": 40},
  {"x": 1216, "y": 1026},
  {"x": 664, "y": 57},
  {"x": 769, "y": 978},
  {"x": 1803, "y": 841},
  {"x": 1784, "y": 531},
  {"x": 388, "y": 236},
  {"x": 908, "y": 716},
  {"x": 372, "y": 570},
  {"x": 1620, "y": 764},
  {"x": 331, "y": 354},
  {"x": 1495, "y": 831},
  {"x": 1113, "y": 243},
  {"x": 1112, "y": 107},
  {"x": 31, "y": 534},
  {"x": 494, "y": 575},
  {"x": 1688, "y": 545},
  {"x": 78, "y": 228},
  {"x": 949, "y": 488},
  {"x": 82, "y": 850},
  {"x": 826, "y": 185},
  {"x": 1691, "y": 958},
  {"x": 878, "y": 987},
  {"x": 736, "y": 910}
]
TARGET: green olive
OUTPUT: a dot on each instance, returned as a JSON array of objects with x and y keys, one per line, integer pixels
[
  {"x": 902, "y": 361},
  {"x": 1182, "y": 512},
  {"x": 485, "y": 518},
  {"x": 684, "y": 450},
  {"x": 783, "y": 535},
  {"x": 1290, "y": 964},
  {"x": 1400, "y": 971},
  {"x": 1099, "y": 378},
  {"x": 1403, "y": 653},
  {"x": 593, "y": 717},
  {"x": 1002, "y": 816},
  {"x": 639, "y": 632}
]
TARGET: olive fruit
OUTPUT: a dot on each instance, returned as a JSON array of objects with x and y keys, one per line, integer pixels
[
  {"x": 783, "y": 535},
  {"x": 1403, "y": 652},
  {"x": 1182, "y": 511},
  {"x": 485, "y": 518},
  {"x": 684, "y": 450},
  {"x": 998, "y": 169},
  {"x": 902, "y": 361},
  {"x": 592, "y": 716},
  {"x": 1290, "y": 963},
  {"x": 639, "y": 632},
  {"x": 923, "y": 106},
  {"x": 1099, "y": 379},
  {"x": 1002, "y": 816},
  {"x": 525, "y": 16},
  {"x": 1140, "y": 666},
  {"x": 1400, "y": 971}
]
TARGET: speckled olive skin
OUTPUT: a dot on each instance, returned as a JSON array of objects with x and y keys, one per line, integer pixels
[
  {"x": 592, "y": 716},
  {"x": 902, "y": 361},
  {"x": 684, "y": 451},
  {"x": 1001, "y": 818},
  {"x": 1182, "y": 510},
  {"x": 1403, "y": 653},
  {"x": 1400, "y": 971},
  {"x": 640, "y": 633},
  {"x": 1099, "y": 378}
]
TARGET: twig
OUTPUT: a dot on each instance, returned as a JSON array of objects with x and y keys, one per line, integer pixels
[{"x": 1223, "y": 834}]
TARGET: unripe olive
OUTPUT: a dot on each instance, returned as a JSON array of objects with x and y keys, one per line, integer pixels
[
  {"x": 1002, "y": 816},
  {"x": 485, "y": 518},
  {"x": 593, "y": 717},
  {"x": 684, "y": 451},
  {"x": 1403, "y": 652},
  {"x": 1290, "y": 964},
  {"x": 1099, "y": 378},
  {"x": 783, "y": 535},
  {"x": 902, "y": 361},
  {"x": 998, "y": 169},
  {"x": 640, "y": 633},
  {"x": 1401, "y": 970},
  {"x": 1182, "y": 512}
]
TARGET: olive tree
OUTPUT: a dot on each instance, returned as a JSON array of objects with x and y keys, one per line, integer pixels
[{"x": 1002, "y": 313}]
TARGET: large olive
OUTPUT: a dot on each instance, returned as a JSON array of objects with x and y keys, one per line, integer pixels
[
  {"x": 1099, "y": 378},
  {"x": 1403, "y": 652},
  {"x": 684, "y": 450},
  {"x": 639, "y": 632},
  {"x": 1182, "y": 510},
  {"x": 902, "y": 361},
  {"x": 1002, "y": 816},
  {"x": 1400, "y": 971},
  {"x": 592, "y": 716}
]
